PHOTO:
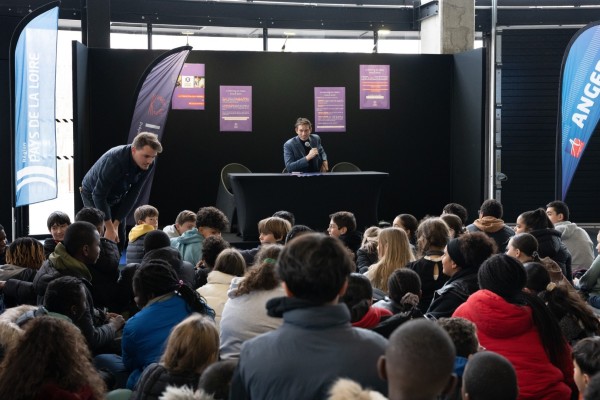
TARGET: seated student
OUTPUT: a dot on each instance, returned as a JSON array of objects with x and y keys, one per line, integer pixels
[
  {"x": 316, "y": 343},
  {"x": 146, "y": 218},
  {"x": 520, "y": 327},
  {"x": 245, "y": 315},
  {"x": 490, "y": 222},
  {"x": 432, "y": 238},
  {"x": 157, "y": 246},
  {"x": 489, "y": 376},
  {"x": 81, "y": 246},
  {"x": 24, "y": 257},
  {"x": 214, "y": 384},
  {"x": 210, "y": 221},
  {"x": 367, "y": 254},
  {"x": 164, "y": 301},
  {"x": 64, "y": 299},
  {"x": 288, "y": 216},
  {"x": 57, "y": 223},
  {"x": 297, "y": 230},
  {"x": 192, "y": 346},
  {"x": 342, "y": 225},
  {"x": 418, "y": 362},
  {"x": 589, "y": 283},
  {"x": 272, "y": 230},
  {"x": 51, "y": 361},
  {"x": 229, "y": 264},
  {"x": 403, "y": 301},
  {"x": 538, "y": 224},
  {"x": 394, "y": 253},
  {"x": 455, "y": 225},
  {"x": 105, "y": 272},
  {"x": 2, "y": 246},
  {"x": 212, "y": 246},
  {"x": 523, "y": 247},
  {"x": 461, "y": 261},
  {"x": 575, "y": 318},
  {"x": 592, "y": 391},
  {"x": 464, "y": 336},
  {"x": 586, "y": 361},
  {"x": 359, "y": 299},
  {"x": 409, "y": 224},
  {"x": 575, "y": 238},
  {"x": 458, "y": 210},
  {"x": 185, "y": 221},
  {"x": 10, "y": 332}
]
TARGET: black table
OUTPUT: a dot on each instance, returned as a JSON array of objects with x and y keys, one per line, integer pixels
[{"x": 310, "y": 197}]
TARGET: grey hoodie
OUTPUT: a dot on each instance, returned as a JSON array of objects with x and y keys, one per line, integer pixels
[{"x": 579, "y": 244}]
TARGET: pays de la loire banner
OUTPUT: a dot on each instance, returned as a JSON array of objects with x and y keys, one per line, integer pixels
[
  {"x": 579, "y": 108},
  {"x": 33, "y": 74}
]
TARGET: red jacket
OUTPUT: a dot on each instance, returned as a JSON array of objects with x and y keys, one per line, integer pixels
[{"x": 508, "y": 329}]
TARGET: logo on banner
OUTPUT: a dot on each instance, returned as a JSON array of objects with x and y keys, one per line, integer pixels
[
  {"x": 576, "y": 147},
  {"x": 158, "y": 105}
]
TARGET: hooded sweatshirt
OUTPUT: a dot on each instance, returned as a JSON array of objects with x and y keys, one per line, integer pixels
[
  {"x": 189, "y": 245},
  {"x": 579, "y": 244},
  {"x": 495, "y": 229}
]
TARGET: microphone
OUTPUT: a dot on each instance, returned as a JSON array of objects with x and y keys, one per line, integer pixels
[{"x": 307, "y": 144}]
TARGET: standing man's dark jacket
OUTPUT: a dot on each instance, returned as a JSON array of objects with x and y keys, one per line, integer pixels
[{"x": 115, "y": 181}]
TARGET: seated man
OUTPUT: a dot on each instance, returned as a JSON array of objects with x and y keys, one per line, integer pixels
[
  {"x": 304, "y": 152},
  {"x": 316, "y": 343},
  {"x": 490, "y": 222},
  {"x": 575, "y": 238}
]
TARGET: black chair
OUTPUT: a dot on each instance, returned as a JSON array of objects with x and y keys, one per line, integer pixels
[
  {"x": 345, "y": 167},
  {"x": 225, "y": 200}
]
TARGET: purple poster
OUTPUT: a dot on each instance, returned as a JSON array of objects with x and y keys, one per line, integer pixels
[
  {"x": 236, "y": 109},
  {"x": 189, "y": 89},
  {"x": 375, "y": 87},
  {"x": 330, "y": 109}
]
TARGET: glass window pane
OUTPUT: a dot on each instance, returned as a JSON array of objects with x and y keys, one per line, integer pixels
[{"x": 38, "y": 213}]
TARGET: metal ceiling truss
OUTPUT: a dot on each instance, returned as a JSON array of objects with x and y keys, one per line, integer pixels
[{"x": 394, "y": 15}]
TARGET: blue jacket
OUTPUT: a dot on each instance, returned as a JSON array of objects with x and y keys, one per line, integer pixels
[
  {"x": 189, "y": 246},
  {"x": 294, "y": 155},
  {"x": 115, "y": 179},
  {"x": 145, "y": 334}
]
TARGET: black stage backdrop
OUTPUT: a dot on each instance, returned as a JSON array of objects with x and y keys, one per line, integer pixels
[{"x": 430, "y": 141}]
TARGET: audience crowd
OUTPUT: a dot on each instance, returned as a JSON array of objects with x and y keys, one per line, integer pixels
[{"x": 444, "y": 308}]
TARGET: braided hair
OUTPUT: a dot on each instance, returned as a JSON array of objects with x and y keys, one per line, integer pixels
[{"x": 156, "y": 278}]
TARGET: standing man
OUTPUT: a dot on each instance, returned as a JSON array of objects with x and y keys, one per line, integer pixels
[
  {"x": 115, "y": 181},
  {"x": 304, "y": 153}
]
